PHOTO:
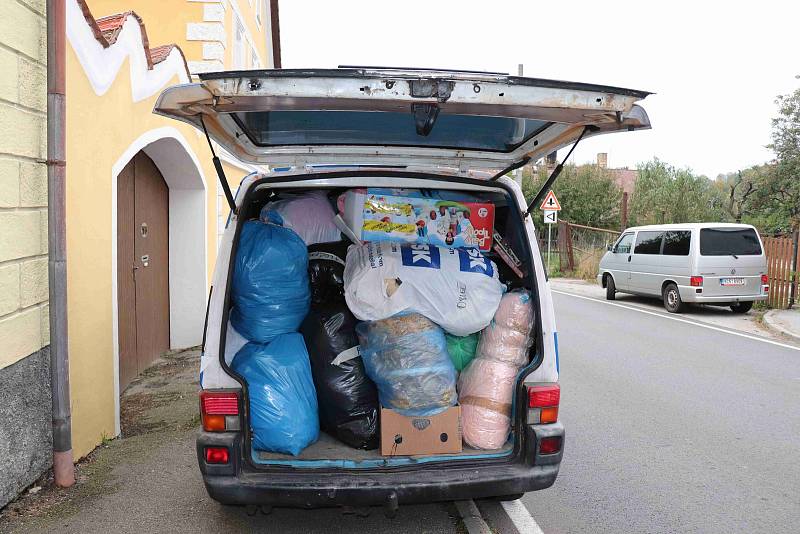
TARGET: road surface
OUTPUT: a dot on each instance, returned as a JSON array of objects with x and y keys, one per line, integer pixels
[{"x": 671, "y": 427}]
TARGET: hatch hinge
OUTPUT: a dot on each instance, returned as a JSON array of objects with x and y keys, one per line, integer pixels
[
  {"x": 553, "y": 175},
  {"x": 223, "y": 181}
]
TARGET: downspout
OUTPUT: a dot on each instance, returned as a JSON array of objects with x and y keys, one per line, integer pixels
[
  {"x": 275, "y": 30},
  {"x": 63, "y": 468}
]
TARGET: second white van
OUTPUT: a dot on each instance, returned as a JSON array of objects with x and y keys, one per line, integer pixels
[{"x": 720, "y": 264}]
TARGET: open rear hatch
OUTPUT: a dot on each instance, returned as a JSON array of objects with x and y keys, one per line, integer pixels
[{"x": 462, "y": 120}]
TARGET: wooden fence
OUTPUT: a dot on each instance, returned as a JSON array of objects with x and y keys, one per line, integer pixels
[{"x": 784, "y": 283}]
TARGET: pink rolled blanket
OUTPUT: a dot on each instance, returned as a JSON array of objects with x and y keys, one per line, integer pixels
[{"x": 486, "y": 386}]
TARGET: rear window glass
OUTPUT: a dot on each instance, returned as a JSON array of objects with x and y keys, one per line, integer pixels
[
  {"x": 677, "y": 243},
  {"x": 729, "y": 241},
  {"x": 468, "y": 132},
  {"x": 648, "y": 243}
]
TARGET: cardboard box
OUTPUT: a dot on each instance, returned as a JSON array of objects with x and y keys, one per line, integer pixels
[{"x": 414, "y": 436}]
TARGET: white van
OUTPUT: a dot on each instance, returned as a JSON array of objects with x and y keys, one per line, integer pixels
[
  {"x": 720, "y": 264},
  {"x": 334, "y": 130}
]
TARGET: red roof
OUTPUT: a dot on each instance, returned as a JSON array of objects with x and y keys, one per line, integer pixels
[{"x": 107, "y": 29}]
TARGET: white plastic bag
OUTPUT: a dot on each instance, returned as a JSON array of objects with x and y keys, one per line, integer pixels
[
  {"x": 456, "y": 288},
  {"x": 308, "y": 214}
]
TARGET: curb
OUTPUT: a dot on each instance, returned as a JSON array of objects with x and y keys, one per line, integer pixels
[{"x": 772, "y": 324}]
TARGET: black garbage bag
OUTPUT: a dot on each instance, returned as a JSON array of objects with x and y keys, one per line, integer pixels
[
  {"x": 348, "y": 399},
  {"x": 326, "y": 271}
]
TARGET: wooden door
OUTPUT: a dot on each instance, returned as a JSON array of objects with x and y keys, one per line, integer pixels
[{"x": 142, "y": 266}]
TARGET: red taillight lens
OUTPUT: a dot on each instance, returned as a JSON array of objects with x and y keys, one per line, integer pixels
[
  {"x": 544, "y": 396},
  {"x": 215, "y": 407},
  {"x": 543, "y": 403},
  {"x": 696, "y": 281},
  {"x": 764, "y": 279},
  {"x": 550, "y": 445},
  {"x": 217, "y": 455}
]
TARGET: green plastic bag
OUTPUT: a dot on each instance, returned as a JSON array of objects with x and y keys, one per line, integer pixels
[{"x": 461, "y": 349}]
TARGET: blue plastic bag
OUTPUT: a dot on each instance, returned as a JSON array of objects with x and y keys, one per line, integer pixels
[
  {"x": 270, "y": 288},
  {"x": 283, "y": 401},
  {"x": 406, "y": 356}
]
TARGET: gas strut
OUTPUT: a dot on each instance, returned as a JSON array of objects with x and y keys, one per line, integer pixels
[
  {"x": 220, "y": 172},
  {"x": 552, "y": 178}
]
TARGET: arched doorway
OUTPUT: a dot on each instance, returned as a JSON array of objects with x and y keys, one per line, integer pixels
[
  {"x": 187, "y": 237},
  {"x": 142, "y": 266}
]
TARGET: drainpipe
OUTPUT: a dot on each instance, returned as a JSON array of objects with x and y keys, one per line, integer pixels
[{"x": 63, "y": 467}]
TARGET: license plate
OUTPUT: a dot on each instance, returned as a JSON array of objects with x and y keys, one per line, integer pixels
[{"x": 738, "y": 281}]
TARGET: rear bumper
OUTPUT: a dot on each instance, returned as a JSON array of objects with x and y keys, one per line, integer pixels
[
  {"x": 689, "y": 294},
  {"x": 311, "y": 488}
]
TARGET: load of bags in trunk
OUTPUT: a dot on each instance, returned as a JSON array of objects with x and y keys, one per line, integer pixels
[{"x": 332, "y": 333}]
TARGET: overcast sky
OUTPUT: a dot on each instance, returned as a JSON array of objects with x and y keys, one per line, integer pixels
[{"x": 715, "y": 67}]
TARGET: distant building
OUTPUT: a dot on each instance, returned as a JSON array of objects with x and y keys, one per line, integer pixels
[{"x": 624, "y": 177}]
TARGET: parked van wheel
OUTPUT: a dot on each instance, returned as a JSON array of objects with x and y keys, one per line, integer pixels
[
  {"x": 741, "y": 307},
  {"x": 611, "y": 289},
  {"x": 672, "y": 299}
]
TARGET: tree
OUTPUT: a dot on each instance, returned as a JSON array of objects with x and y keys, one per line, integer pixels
[
  {"x": 783, "y": 190},
  {"x": 666, "y": 194},
  {"x": 588, "y": 194}
]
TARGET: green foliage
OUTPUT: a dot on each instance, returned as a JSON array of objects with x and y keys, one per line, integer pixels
[
  {"x": 588, "y": 194},
  {"x": 782, "y": 194},
  {"x": 667, "y": 194}
]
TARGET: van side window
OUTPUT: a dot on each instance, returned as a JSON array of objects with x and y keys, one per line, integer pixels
[
  {"x": 677, "y": 243},
  {"x": 623, "y": 246},
  {"x": 648, "y": 243}
]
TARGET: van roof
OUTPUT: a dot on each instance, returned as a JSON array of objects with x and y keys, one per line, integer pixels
[{"x": 689, "y": 226}]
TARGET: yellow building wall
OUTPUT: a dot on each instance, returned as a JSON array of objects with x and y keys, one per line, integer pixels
[
  {"x": 99, "y": 130},
  {"x": 24, "y": 312}
]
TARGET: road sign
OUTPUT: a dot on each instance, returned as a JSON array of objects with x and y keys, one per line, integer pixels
[
  {"x": 550, "y": 202},
  {"x": 550, "y": 216}
]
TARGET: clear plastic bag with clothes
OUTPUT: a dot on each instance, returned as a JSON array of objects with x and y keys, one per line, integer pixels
[
  {"x": 406, "y": 356},
  {"x": 486, "y": 389},
  {"x": 270, "y": 291},
  {"x": 486, "y": 386},
  {"x": 283, "y": 401},
  {"x": 309, "y": 214},
  {"x": 508, "y": 336}
]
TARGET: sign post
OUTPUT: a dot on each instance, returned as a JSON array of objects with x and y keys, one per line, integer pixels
[{"x": 550, "y": 206}]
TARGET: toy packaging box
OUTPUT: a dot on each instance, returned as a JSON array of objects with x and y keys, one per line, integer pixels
[{"x": 410, "y": 216}]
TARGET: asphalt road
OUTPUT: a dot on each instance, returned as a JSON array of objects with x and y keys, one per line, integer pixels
[{"x": 671, "y": 427}]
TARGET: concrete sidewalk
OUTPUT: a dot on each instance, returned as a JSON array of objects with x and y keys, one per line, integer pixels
[{"x": 787, "y": 322}]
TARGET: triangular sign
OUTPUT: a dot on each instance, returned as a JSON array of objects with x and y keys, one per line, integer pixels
[{"x": 550, "y": 202}]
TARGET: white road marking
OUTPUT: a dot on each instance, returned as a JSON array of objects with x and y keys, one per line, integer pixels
[
  {"x": 680, "y": 320},
  {"x": 521, "y": 517}
]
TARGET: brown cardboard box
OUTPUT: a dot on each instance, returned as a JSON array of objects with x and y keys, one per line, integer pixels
[{"x": 413, "y": 436}]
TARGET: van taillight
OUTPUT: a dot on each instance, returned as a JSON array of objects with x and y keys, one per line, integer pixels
[
  {"x": 764, "y": 279},
  {"x": 696, "y": 281},
  {"x": 543, "y": 403},
  {"x": 219, "y": 410}
]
